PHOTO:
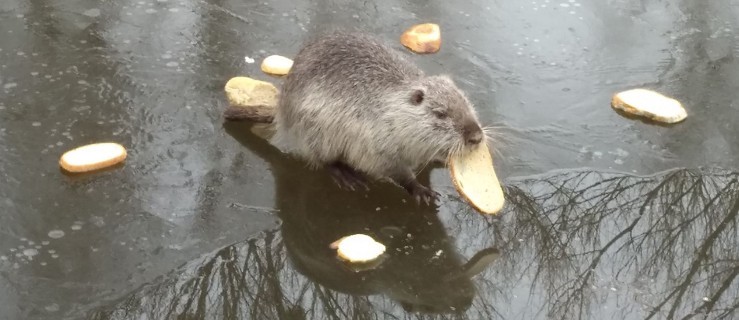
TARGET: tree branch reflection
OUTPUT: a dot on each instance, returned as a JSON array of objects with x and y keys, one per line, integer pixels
[{"x": 576, "y": 245}]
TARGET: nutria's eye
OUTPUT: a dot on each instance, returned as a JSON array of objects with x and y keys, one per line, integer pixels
[
  {"x": 417, "y": 97},
  {"x": 440, "y": 114}
]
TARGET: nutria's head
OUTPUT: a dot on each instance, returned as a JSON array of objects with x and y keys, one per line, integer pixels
[{"x": 447, "y": 115}]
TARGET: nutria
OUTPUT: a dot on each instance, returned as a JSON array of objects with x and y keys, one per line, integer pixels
[{"x": 357, "y": 107}]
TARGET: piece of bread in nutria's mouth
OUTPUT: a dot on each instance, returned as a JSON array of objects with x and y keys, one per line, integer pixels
[{"x": 474, "y": 178}]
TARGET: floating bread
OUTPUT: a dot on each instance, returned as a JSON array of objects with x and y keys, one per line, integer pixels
[
  {"x": 93, "y": 157},
  {"x": 649, "y": 104},
  {"x": 422, "y": 38},
  {"x": 277, "y": 65},
  {"x": 358, "y": 248},
  {"x": 474, "y": 178}
]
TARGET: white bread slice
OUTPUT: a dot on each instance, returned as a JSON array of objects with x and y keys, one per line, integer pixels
[
  {"x": 93, "y": 157},
  {"x": 650, "y": 104},
  {"x": 422, "y": 38},
  {"x": 276, "y": 65},
  {"x": 248, "y": 92},
  {"x": 474, "y": 178},
  {"x": 358, "y": 248}
]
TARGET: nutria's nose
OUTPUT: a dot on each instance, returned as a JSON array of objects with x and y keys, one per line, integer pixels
[{"x": 472, "y": 134}]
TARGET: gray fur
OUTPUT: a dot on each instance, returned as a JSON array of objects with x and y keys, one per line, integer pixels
[{"x": 348, "y": 98}]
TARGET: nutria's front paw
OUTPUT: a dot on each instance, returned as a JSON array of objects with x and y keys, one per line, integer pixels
[
  {"x": 346, "y": 177},
  {"x": 424, "y": 194}
]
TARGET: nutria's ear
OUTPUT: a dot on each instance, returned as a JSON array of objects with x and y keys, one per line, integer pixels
[{"x": 417, "y": 97}]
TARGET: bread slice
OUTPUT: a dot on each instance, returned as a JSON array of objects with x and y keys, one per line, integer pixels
[
  {"x": 248, "y": 92},
  {"x": 358, "y": 248},
  {"x": 276, "y": 65},
  {"x": 422, "y": 38},
  {"x": 649, "y": 104},
  {"x": 474, "y": 178},
  {"x": 93, "y": 157}
]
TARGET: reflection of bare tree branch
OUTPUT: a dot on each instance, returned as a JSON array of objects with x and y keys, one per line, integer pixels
[
  {"x": 702, "y": 252},
  {"x": 576, "y": 241}
]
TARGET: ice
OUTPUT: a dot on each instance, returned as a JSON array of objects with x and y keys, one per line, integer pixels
[
  {"x": 92, "y": 13},
  {"x": 56, "y": 234}
]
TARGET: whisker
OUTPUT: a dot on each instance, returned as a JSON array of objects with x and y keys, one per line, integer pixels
[
  {"x": 455, "y": 151},
  {"x": 431, "y": 158},
  {"x": 496, "y": 140}
]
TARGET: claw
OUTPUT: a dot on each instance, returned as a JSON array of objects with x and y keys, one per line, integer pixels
[
  {"x": 346, "y": 177},
  {"x": 424, "y": 194}
]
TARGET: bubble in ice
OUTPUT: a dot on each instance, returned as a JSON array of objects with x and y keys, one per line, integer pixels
[
  {"x": 248, "y": 60},
  {"x": 56, "y": 234},
  {"x": 564, "y": 5},
  {"x": 172, "y": 64},
  {"x": 166, "y": 56},
  {"x": 45, "y": 243},
  {"x": 36, "y": 124},
  {"x": 92, "y": 13},
  {"x": 150, "y": 10},
  {"x": 10, "y": 85},
  {"x": 76, "y": 227},
  {"x": 52, "y": 307},
  {"x": 30, "y": 252},
  {"x": 173, "y": 9}
]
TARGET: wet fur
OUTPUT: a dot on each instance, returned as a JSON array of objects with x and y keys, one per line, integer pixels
[
  {"x": 351, "y": 99},
  {"x": 348, "y": 98}
]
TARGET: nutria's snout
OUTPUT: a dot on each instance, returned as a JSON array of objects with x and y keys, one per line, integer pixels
[{"x": 472, "y": 133}]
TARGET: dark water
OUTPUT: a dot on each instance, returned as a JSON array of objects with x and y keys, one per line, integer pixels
[{"x": 606, "y": 217}]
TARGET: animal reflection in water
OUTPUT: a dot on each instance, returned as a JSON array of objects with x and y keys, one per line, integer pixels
[{"x": 421, "y": 268}]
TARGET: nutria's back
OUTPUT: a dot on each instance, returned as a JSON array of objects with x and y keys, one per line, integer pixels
[{"x": 343, "y": 62}]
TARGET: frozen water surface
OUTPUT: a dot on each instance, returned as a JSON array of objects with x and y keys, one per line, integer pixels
[{"x": 606, "y": 218}]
